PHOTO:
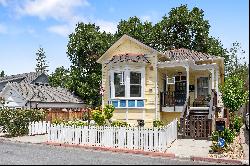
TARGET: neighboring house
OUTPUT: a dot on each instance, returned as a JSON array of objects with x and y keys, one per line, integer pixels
[
  {"x": 32, "y": 90},
  {"x": 145, "y": 84},
  {"x": 28, "y": 96},
  {"x": 30, "y": 78}
]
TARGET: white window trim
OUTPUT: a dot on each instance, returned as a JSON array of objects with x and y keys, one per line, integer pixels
[
  {"x": 127, "y": 70},
  {"x": 196, "y": 87}
]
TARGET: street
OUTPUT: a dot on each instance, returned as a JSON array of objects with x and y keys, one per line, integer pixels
[{"x": 12, "y": 153}]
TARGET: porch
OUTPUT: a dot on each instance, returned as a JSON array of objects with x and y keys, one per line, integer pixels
[{"x": 191, "y": 90}]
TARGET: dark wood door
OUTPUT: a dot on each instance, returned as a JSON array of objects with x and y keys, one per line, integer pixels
[{"x": 180, "y": 92}]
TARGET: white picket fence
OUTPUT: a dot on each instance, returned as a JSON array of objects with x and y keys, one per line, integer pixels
[
  {"x": 36, "y": 128},
  {"x": 154, "y": 139}
]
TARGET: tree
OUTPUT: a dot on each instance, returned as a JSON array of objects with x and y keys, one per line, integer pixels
[
  {"x": 233, "y": 66},
  {"x": 234, "y": 94},
  {"x": 60, "y": 77},
  {"x": 41, "y": 65},
  {"x": 85, "y": 46},
  {"x": 2, "y": 74}
]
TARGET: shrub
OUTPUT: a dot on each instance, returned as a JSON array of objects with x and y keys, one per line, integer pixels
[
  {"x": 227, "y": 134},
  {"x": 119, "y": 124},
  {"x": 108, "y": 111},
  {"x": 158, "y": 123},
  {"x": 237, "y": 123},
  {"x": 98, "y": 117},
  {"x": 16, "y": 122},
  {"x": 234, "y": 94}
]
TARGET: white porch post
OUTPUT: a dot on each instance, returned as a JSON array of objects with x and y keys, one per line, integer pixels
[
  {"x": 187, "y": 70},
  {"x": 212, "y": 71},
  {"x": 217, "y": 80},
  {"x": 156, "y": 87}
]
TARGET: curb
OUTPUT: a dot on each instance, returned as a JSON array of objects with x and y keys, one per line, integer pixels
[
  {"x": 116, "y": 150},
  {"x": 154, "y": 154}
]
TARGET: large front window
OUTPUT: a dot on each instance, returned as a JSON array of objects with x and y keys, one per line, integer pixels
[
  {"x": 127, "y": 87},
  {"x": 202, "y": 86}
]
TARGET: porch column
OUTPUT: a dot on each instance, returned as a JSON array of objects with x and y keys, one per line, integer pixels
[
  {"x": 187, "y": 70},
  {"x": 212, "y": 72},
  {"x": 217, "y": 80}
]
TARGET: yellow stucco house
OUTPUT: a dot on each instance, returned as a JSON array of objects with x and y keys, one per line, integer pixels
[{"x": 145, "y": 84}]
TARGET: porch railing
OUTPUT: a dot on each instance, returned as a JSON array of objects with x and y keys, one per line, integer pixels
[{"x": 172, "y": 99}]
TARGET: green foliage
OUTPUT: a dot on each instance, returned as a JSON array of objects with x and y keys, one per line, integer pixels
[
  {"x": 60, "y": 77},
  {"x": 98, "y": 117},
  {"x": 227, "y": 134},
  {"x": 108, "y": 111},
  {"x": 158, "y": 123},
  {"x": 41, "y": 65},
  {"x": 2, "y": 74},
  {"x": 15, "y": 122},
  {"x": 236, "y": 122},
  {"x": 75, "y": 123},
  {"x": 119, "y": 124},
  {"x": 234, "y": 94}
]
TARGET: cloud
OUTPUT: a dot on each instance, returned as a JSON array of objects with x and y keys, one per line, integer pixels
[
  {"x": 107, "y": 26},
  {"x": 56, "y": 9},
  {"x": 62, "y": 30},
  {"x": 3, "y": 29}
]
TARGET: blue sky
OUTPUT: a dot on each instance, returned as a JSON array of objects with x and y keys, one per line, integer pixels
[{"x": 27, "y": 24}]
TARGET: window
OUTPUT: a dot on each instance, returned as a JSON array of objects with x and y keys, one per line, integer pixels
[
  {"x": 127, "y": 83},
  {"x": 135, "y": 84},
  {"x": 202, "y": 86},
  {"x": 119, "y": 84}
]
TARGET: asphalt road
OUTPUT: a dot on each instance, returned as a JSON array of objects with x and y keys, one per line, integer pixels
[{"x": 12, "y": 153}]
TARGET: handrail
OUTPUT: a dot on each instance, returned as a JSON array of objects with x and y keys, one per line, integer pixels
[
  {"x": 185, "y": 107},
  {"x": 212, "y": 103}
]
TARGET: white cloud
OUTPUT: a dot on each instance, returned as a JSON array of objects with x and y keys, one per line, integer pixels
[
  {"x": 56, "y": 9},
  {"x": 3, "y": 29},
  {"x": 107, "y": 26},
  {"x": 62, "y": 30}
]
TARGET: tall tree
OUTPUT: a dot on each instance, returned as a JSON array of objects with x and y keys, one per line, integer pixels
[
  {"x": 85, "y": 46},
  {"x": 60, "y": 77},
  {"x": 2, "y": 74},
  {"x": 42, "y": 64}
]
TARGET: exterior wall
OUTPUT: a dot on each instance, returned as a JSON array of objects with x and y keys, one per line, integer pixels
[
  {"x": 170, "y": 116},
  {"x": 148, "y": 113}
]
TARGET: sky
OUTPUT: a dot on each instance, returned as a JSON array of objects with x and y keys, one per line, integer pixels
[{"x": 25, "y": 25}]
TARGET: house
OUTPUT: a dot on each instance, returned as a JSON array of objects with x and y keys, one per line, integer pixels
[
  {"x": 145, "y": 84},
  {"x": 32, "y": 90},
  {"x": 30, "y": 78}
]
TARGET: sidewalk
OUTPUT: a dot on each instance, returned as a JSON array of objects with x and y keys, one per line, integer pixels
[
  {"x": 244, "y": 138},
  {"x": 37, "y": 139},
  {"x": 190, "y": 147}
]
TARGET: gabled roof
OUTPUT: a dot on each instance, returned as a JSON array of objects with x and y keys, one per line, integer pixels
[
  {"x": 26, "y": 77},
  {"x": 184, "y": 54},
  {"x": 120, "y": 41},
  {"x": 43, "y": 93}
]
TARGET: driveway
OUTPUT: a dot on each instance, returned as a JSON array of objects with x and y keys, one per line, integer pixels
[{"x": 12, "y": 153}]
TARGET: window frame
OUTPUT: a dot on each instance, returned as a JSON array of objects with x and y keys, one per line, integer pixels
[
  {"x": 127, "y": 71},
  {"x": 196, "y": 84}
]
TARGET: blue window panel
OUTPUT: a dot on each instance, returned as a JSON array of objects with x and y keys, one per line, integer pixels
[
  {"x": 140, "y": 103},
  {"x": 131, "y": 103},
  {"x": 122, "y": 103},
  {"x": 115, "y": 103}
]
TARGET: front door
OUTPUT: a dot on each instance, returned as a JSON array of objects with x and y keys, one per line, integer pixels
[{"x": 180, "y": 90}]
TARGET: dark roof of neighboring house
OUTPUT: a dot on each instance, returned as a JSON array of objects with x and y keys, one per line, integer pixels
[
  {"x": 183, "y": 54},
  {"x": 27, "y": 77},
  {"x": 128, "y": 57},
  {"x": 44, "y": 93}
]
